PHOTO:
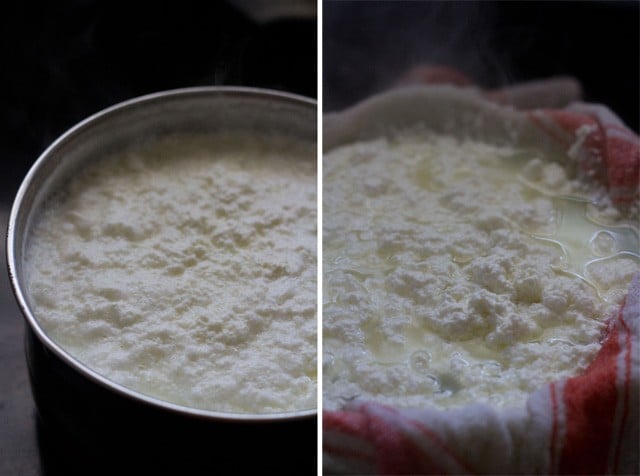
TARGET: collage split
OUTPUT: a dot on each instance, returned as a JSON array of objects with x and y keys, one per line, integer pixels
[{"x": 323, "y": 238}]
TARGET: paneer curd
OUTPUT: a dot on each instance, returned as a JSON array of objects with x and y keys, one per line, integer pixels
[
  {"x": 457, "y": 271},
  {"x": 185, "y": 269}
]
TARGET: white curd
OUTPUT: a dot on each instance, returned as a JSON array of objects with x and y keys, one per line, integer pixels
[
  {"x": 457, "y": 271},
  {"x": 186, "y": 269}
]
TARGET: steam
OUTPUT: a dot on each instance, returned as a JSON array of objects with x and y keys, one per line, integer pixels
[{"x": 368, "y": 45}]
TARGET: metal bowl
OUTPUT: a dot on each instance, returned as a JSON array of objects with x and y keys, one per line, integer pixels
[{"x": 98, "y": 415}]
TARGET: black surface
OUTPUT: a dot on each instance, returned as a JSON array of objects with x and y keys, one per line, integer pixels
[
  {"x": 62, "y": 61},
  {"x": 368, "y": 45}
]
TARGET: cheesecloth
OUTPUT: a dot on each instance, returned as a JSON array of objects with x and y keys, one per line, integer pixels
[{"x": 587, "y": 424}]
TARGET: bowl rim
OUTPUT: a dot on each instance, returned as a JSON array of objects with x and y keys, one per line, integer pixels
[{"x": 17, "y": 209}]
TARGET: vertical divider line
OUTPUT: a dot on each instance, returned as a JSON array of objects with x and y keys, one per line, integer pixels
[{"x": 319, "y": 228}]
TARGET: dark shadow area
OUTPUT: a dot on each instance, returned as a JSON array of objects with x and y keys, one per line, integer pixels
[{"x": 368, "y": 45}]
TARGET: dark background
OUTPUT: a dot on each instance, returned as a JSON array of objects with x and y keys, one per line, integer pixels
[
  {"x": 61, "y": 61},
  {"x": 368, "y": 44}
]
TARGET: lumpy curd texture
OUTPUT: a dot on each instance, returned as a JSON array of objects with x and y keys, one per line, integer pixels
[
  {"x": 457, "y": 271},
  {"x": 186, "y": 269}
]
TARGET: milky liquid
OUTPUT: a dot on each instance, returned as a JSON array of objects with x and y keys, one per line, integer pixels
[{"x": 584, "y": 241}]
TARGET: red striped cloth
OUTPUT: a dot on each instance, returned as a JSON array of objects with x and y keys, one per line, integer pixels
[
  {"x": 588, "y": 424},
  {"x": 603, "y": 146}
]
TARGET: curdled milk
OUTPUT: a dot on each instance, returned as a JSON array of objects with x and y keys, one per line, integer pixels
[
  {"x": 186, "y": 269},
  {"x": 458, "y": 272}
]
